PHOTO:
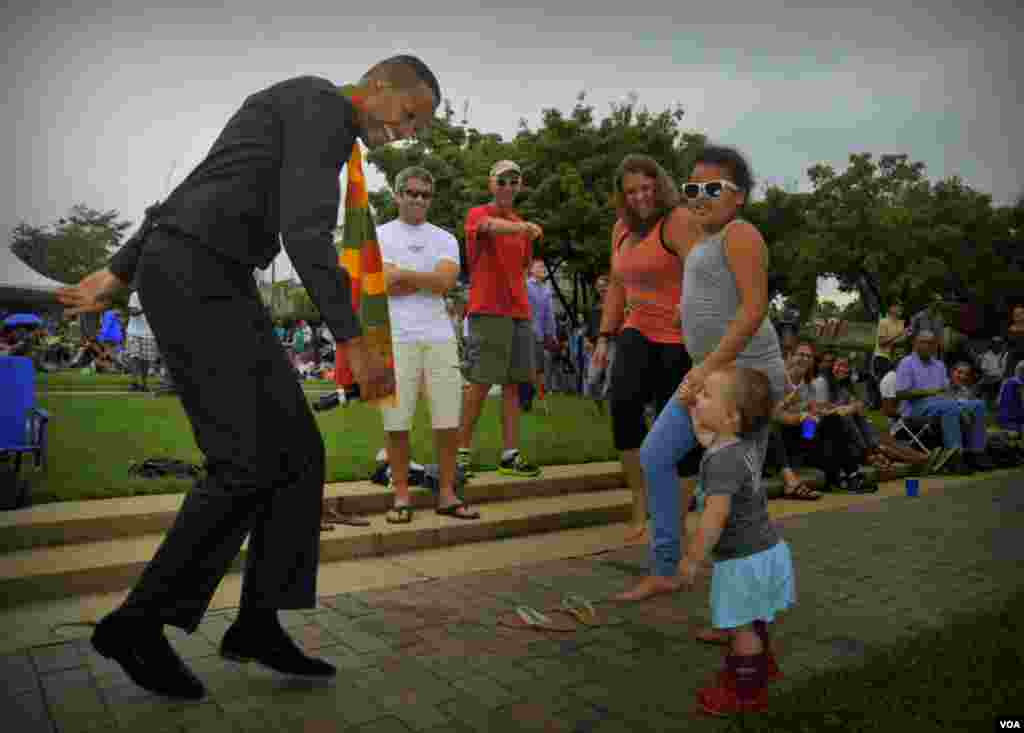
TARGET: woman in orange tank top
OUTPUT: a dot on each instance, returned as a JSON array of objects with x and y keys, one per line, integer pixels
[{"x": 640, "y": 320}]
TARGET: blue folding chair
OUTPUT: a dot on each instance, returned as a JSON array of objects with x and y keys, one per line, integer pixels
[{"x": 22, "y": 424}]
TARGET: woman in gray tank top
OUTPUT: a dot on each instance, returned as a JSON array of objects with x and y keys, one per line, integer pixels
[{"x": 725, "y": 320}]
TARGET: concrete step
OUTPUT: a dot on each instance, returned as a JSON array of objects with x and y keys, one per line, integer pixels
[
  {"x": 75, "y": 522},
  {"x": 47, "y": 573}
]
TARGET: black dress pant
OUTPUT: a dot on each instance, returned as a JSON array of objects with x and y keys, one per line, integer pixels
[{"x": 264, "y": 455}]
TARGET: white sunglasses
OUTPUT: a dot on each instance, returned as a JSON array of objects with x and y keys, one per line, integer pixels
[{"x": 711, "y": 189}]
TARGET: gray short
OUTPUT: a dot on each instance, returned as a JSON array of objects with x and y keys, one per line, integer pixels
[
  {"x": 142, "y": 347},
  {"x": 498, "y": 350}
]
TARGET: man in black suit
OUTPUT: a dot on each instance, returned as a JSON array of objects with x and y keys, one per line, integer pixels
[{"x": 273, "y": 169}]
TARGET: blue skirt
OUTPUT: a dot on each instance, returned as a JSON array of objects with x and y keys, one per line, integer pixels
[{"x": 750, "y": 588}]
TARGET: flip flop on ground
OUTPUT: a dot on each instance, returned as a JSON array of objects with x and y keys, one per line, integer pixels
[
  {"x": 584, "y": 612},
  {"x": 525, "y": 617}
]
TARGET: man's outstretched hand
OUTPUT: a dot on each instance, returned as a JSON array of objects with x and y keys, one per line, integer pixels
[
  {"x": 373, "y": 375},
  {"x": 92, "y": 294}
]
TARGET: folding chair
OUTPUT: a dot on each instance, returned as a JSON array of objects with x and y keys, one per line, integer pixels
[
  {"x": 915, "y": 427},
  {"x": 23, "y": 426}
]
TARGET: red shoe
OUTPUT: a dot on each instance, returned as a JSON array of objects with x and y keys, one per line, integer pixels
[
  {"x": 723, "y": 701},
  {"x": 727, "y": 678}
]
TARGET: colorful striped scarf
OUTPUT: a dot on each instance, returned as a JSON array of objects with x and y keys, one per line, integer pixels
[{"x": 359, "y": 254}]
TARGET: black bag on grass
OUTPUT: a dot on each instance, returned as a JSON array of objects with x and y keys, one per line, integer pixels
[{"x": 159, "y": 467}]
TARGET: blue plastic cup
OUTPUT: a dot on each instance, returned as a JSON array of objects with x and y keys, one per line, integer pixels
[
  {"x": 808, "y": 427},
  {"x": 912, "y": 487}
]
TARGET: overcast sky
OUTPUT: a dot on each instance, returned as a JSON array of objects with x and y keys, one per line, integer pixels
[{"x": 112, "y": 103}]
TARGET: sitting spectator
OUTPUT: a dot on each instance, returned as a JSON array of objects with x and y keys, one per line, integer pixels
[
  {"x": 890, "y": 408},
  {"x": 923, "y": 385},
  {"x": 835, "y": 393},
  {"x": 992, "y": 365},
  {"x": 785, "y": 446},
  {"x": 824, "y": 364},
  {"x": 829, "y": 449},
  {"x": 961, "y": 382},
  {"x": 1011, "y": 402},
  {"x": 1015, "y": 340}
]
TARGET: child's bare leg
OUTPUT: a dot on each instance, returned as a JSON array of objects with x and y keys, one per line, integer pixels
[{"x": 746, "y": 642}]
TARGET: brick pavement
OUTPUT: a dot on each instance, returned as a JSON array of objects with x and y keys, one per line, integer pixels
[{"x": 430, "y": 657}]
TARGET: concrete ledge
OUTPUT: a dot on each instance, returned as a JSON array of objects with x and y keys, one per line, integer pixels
[
  {"x": 76, "y": 522},
  {"x": 79, "y": 522},
  {"x": 50, "y": 573}
]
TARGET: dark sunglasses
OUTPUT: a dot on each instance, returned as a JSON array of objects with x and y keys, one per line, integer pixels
[
  {"x": 711, "y": 189},
  {"x": 425, "y": 195},
  {"x": 509, "y": 181}
]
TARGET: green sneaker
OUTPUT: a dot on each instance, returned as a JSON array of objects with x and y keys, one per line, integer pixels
[
  {"x": 464, "y": 462},
  {"x": 518, "y": 466},
  {"x": 945, "y": 458}
]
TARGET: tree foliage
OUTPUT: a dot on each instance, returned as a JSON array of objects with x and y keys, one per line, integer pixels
[
  {"x": 568, "y": 165},
  {"x": 72, "y": 247}
]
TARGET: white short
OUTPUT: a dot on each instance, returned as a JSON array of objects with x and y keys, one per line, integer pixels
[{"x": 435, "y": 367}]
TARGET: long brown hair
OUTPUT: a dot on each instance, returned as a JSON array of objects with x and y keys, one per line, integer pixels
[{"x": 666, "y": 193}]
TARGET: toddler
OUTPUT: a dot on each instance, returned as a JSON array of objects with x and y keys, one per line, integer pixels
[{"x": 753, "y": 570}]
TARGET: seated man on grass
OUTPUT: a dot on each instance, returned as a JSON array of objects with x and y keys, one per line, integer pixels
[
  {"x": 1011, "y": 402},
  {"x": 922, "y": 383}
]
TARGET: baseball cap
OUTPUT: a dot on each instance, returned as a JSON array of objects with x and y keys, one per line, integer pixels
[{"x": 504, "y": 166}]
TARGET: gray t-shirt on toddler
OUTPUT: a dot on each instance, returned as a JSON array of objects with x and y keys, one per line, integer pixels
[{"x": 735, "y": 470}]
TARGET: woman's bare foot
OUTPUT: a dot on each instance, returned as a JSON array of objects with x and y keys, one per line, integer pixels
[
  {"x": 650, "y": 586},
  {"x": 636, "y": 535}
]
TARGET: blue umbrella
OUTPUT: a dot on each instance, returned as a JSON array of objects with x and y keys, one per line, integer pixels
[{"x": 23, "y": 319}]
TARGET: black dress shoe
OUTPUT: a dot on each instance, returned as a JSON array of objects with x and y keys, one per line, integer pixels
[
  {"x": 147, "y": 658},
  {"x": 273, "y": 648}
]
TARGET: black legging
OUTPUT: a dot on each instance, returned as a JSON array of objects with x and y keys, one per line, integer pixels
[
  {"x": 830, "y": 450},
  {"x": 643, "y": 371}
]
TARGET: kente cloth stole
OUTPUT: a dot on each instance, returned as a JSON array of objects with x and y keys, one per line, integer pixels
[{"x": 359, "y": 254}]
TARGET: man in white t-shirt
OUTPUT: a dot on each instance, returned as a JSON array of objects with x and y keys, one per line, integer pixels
[{"x": 421, "y": 263}]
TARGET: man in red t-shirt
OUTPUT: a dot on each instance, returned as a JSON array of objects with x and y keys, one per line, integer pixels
[{"x": 500, "y": 343}]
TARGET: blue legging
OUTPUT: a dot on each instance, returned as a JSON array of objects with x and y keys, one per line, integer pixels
[{"x": 670, "y": 440}]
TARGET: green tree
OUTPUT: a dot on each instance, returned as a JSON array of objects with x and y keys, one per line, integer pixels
[
  {"x": 782, "y": 220},
  {"x": 568, "y": 166},
  {"x": 72, "y": 247}
]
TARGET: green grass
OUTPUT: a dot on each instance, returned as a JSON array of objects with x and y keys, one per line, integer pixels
[
  {"x": 71, "y": 380},
  {"x": 94, "y": 439},
  {"x": 958, "y": 677}
]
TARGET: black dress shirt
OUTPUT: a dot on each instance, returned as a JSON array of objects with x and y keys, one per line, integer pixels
[{"x": 273, "y": 169}]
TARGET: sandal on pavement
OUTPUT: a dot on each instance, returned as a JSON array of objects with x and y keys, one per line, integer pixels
[
  {"x": 453, "y": 510},
  {"x": 800, "y": 492},
  {"x": 525, "y": 617},
  {"x": 584, "y": 611},
  {"x": 399, "y": 514}
]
